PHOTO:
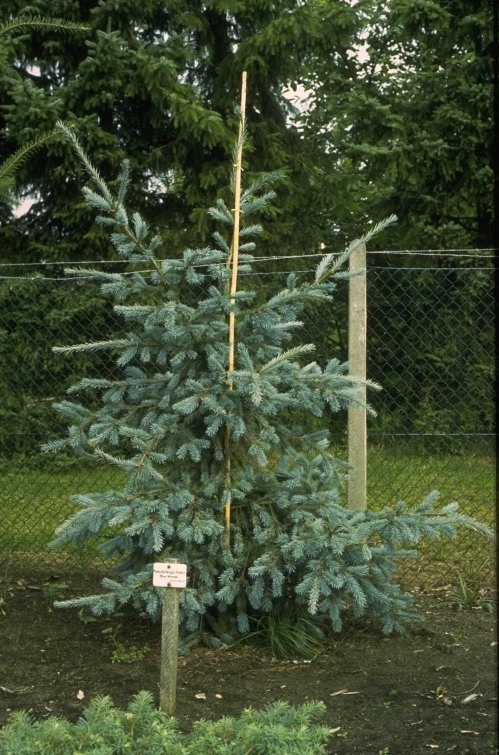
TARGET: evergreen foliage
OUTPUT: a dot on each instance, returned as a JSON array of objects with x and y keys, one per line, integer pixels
[
  {"x": 404, "y": 124},
  {"x": 35, "y": 313},
  {"x": 157, "y": 83},
  {"x": 14, "y": 27},
  {"x": 405, "y": 129},
  {"x": 144, "y": 730},
  {"x": 192, "y": 436},
  {"x": 438, "y": 328}
]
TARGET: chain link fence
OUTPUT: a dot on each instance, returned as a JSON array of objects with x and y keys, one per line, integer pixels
[{"x": 430, "y": 347}]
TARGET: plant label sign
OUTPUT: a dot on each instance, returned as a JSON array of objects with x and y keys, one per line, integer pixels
[{"x": 169, "y": 575}]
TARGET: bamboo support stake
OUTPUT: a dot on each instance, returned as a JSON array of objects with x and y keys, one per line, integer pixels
[
  {"x": 237, "y": 215},
  {"x": 234, "y": 259}
]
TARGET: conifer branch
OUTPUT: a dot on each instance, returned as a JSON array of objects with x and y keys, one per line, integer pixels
[
  {"x": 107, "y": 203},
  {"x": 94, "y": 346},
  {"x": 17, "y": 26},
  {"x": 330, "y": 264},
  {"x": 12, "y": 163},
  {"x": 70, "y": 136},
  {"x": 33, "y": 23}
]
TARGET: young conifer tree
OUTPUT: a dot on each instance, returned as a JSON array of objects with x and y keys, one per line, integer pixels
[{"x": 192, "y": 436}]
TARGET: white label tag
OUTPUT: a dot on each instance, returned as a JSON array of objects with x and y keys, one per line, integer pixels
[{"x": 169, "y": 575}]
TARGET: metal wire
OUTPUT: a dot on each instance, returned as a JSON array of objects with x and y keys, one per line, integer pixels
[
  {"x": 68, "y": 278},
  {"x": 432, "y": 252}
]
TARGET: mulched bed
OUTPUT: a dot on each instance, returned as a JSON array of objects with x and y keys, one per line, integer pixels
[{"x": 431, "y": 689}]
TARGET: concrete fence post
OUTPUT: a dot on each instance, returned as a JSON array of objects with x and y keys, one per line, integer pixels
[{"x": 357, "y": 348}]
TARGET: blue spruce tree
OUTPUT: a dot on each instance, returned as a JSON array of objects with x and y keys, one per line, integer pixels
[{"x": 219, "y": 473}]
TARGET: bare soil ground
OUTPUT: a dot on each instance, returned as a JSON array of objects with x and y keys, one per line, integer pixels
[{"x": 431, "y": 689}]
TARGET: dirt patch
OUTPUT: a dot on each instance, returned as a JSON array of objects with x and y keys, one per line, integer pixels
[{"x": 432, "y": 689}]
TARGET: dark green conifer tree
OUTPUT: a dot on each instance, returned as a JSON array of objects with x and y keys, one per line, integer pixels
[
  {"x": 405, "y": 123},
  {"x": 155, "y": 82},
  {"x": 16, "y": 27},
  {"x": 191, "y": 436}
]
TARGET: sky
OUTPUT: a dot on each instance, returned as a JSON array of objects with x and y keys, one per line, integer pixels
[{"x": 23, "y": 207}]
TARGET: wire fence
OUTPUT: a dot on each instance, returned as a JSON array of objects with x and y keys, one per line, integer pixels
[{"x": 430, "y": 347}]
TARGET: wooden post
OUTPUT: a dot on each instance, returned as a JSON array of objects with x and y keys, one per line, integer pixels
[
  {"x": 169, "y": 650},
  {"x": 357, "y": 347}
]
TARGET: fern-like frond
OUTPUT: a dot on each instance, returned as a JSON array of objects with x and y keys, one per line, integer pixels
[
  {"x": 92, "y": 170},
  {"x": 331, "y": 263},
  {"x": 221, "y": 212},
  {"x": 265, "y": 179},
  {"x": 119, "y": 343},
  {"x": 390, "y": 220},
  {"x": 22, "y": 24},
  {"x": 10, "y": 165},
  {"x": 288, "y": 355},
  {"x": 251, "y": 230}
]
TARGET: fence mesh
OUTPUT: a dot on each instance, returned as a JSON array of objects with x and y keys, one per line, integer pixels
[{"x": 430, "y": 347}]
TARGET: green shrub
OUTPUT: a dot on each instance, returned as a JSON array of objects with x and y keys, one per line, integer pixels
[{"x": 144, "y": 730}]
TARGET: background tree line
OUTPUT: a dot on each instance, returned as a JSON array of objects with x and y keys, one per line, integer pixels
[{"x": 396, "y": 118}]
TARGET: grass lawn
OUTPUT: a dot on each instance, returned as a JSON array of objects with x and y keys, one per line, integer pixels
[
  {"x": 34, "y": 501},
  {"x": 397, "y": 474}
]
